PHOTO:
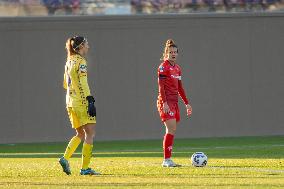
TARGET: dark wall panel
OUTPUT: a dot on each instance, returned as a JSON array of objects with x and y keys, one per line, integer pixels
[{"x": 232, "y": 65}]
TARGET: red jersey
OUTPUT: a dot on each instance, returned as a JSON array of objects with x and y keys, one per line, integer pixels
[{"x": 170, "y": 85}]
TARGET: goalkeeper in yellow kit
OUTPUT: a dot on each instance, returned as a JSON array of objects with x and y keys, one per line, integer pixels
[{"x": 80, "y": 104}]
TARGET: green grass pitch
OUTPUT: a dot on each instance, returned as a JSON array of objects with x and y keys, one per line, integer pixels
[{"x": 236, "y": 162}]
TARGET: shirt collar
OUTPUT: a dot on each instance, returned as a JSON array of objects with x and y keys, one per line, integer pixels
[{"x": 168, "y": 63}]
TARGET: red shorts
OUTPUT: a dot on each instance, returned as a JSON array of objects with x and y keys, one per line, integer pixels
[{"x": 173, "y": 114}]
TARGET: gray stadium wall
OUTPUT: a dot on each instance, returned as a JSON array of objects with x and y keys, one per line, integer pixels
[{"x": 233, "y": 72}]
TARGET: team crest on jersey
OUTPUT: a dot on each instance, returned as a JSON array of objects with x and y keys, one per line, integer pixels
[
  {"x": 171, "y": 113},
  {"x": 83, "y": 68},
  {"x": 161, "y": 68}
]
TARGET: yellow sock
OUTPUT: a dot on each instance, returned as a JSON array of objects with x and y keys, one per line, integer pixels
[
  {"x": 72, "y": 146},
  {"x": 86, "y": 155}
]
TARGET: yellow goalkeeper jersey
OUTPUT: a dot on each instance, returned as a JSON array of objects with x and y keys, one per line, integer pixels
[{"x": 75, "y": 81}]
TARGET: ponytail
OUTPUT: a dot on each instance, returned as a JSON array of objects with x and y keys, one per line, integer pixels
[
  {"x": 69, "y": 49},
  {"x": 73, "y": 45},
  {"x": 169, "y": 43}
]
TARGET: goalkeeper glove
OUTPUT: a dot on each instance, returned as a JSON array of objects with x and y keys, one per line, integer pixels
[{"x": 91, "y": 106}]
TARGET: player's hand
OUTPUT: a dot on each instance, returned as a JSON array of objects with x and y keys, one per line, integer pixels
[
  {"x": 166, "y": 108},
  {"x": 188, "y": 110},
  {"x": 91, "y": 106}
]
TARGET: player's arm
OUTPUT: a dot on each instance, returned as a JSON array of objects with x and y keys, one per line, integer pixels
[
  {"x": 182, "y": 94},
  {"x": 161, "y": 82},
  {"x": 162, "y": 76},
  {"x": 184, "y": 98},
  {"x": 82, "y": 72},
  {"x": 83, "y": 79}
]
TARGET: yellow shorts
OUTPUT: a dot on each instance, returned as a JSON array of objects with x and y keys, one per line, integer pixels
[{"x": 79, "y": 116}]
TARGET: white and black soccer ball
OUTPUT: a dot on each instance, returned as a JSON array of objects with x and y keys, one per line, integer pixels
[{"x": 199, "y": 159}]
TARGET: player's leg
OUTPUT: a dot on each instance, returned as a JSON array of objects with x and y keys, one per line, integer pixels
[
  {"x": 73, "y": 143},
  {"x": 89, "y": 130},
  {"x": 169, "y": 121},
  {"x": 170, "y": 126}
]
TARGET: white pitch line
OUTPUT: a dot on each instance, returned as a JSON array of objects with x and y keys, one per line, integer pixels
[
  {"x": 29, "y": 154},
  {"x": 249, "y": 169},
  {"x": 156, "y": 150},
  {"x": 235, "y": 147},
  {"x": 100, "y": 153}
]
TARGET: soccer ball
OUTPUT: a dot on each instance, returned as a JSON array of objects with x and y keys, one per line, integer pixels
[{"x": 199, "y": 159}]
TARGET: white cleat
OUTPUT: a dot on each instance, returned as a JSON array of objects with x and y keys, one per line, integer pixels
[{"x": 169, "y": 163}]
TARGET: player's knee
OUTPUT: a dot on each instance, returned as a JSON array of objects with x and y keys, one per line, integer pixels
[
  {"x": 81, "y": 135},
  {"x": 90, "y": 134},
  {"x": 171, "y": 131}
]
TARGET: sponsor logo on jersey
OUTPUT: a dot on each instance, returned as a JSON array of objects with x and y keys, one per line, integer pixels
[
  {"x": 83, "y": 68},
  {"x": 176, "y": 77}
]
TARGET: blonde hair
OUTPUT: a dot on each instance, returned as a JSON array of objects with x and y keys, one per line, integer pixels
[
  {"x": 169, "y": 43},
  {"x": 69, "y": 47}
]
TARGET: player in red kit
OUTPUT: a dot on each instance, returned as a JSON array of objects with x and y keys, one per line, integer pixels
[{"x": 170, "y": 87}]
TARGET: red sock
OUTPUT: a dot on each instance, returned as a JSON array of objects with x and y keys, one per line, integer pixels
[{"x": 168, "y": 145}]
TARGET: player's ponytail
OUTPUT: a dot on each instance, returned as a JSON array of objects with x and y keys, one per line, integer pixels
[
  {"x": 73, "y": 45},
  {"x": 169, "y": 43},
  {"x": 70, "y": 51}
]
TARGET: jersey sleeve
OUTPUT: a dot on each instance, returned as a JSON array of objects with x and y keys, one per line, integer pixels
[
  {"x": 162, "y": 76},
  {"x": 83, "y": 80},
  {"x": 181, "y": 90}
]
